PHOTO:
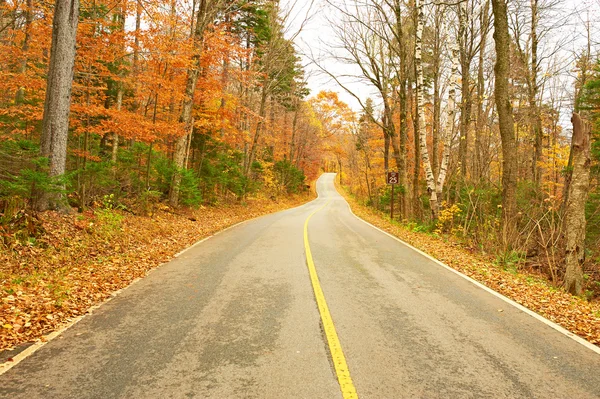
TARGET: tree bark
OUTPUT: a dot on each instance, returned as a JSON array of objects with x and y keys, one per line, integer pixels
[
  {"x": 575, "y": 222},
  {"x": 188, "y": 102},
  {"x": 259, "y": 126},
  {"x": 20, "y": 96},
  {"x": 55, "y": 123},
  {"x": 437, "y": 103},
  {"x": 429, "y": 177},
  {"x": 533, "y": 96},
  {"x": 449, "y": 123},
  {"x": 416, "y": 194},
  {"x": 119, "y": 104},
  {"x": 506, "y": 121},
  {"x": 479, "y": 170},
  {"x": 465, "y": 42}
]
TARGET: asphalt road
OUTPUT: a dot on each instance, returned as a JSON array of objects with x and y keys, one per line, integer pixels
[{"x": 235, "y": 317}]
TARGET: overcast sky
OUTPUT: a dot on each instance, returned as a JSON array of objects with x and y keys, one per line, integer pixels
[{"x": 318, "y": 31}]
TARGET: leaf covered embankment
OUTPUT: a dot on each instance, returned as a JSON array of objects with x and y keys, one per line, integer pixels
[
  {"x": 80, "y": 260},
  {"x": 532, "y": 291}
]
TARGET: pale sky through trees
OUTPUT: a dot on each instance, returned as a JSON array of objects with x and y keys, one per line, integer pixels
[{"x": 313, "y": 40}]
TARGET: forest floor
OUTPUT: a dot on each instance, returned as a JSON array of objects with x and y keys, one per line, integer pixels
[
  {"x": 78, "y": 261},
  {"x": 530, "y": 290}
]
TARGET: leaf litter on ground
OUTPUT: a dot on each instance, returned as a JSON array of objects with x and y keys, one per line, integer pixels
[{"x": 81, "y": 260}]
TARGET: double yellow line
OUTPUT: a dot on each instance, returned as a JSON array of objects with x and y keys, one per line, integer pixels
[{"x": 337, "y": 355}]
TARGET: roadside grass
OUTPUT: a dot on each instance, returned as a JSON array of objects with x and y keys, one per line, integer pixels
[
  {"x": 81, "y": 260},
  {"x": 501, "y": 274}
]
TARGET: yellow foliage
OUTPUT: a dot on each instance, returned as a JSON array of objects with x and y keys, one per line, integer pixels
[{"x": 447, "y": 217}]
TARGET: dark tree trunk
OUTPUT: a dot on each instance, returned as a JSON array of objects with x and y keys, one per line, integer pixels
[
  {"x": 465, "y": 107},
  {"x": 55, "y": 124},
  {"x": 538, "y": 132},
  {"x": 575, "y": 222},
  {"x": 506, "y": 121}
]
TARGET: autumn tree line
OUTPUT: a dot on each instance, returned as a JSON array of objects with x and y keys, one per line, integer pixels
[
  {"x": 472, "y": 106},
  {"x": 131, "y": 102}
]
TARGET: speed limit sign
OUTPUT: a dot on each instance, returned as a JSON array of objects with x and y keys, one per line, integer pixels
[{"x": 393, "y": 178}]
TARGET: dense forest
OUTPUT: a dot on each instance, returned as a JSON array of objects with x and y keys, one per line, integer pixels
[
  {"x": 189, "y": 102},
  {"x": 488, "y": 112},
  {"x": 128, "y": 103}
]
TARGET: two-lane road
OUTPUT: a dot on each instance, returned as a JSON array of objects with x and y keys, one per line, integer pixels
[{"x": 236, "y": 317}]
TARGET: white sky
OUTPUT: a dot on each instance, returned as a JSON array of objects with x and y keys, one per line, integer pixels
[{"x": 317, "y": 31}]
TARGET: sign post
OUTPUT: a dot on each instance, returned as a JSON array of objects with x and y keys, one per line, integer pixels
[{"x": 393, "y": 178}]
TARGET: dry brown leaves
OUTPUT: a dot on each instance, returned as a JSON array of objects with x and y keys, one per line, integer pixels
[
  {"x": 573, "y": 313},
  {"x": 83, "y": 259}
]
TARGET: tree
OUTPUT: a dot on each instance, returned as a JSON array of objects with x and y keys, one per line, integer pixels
[
  {"x": 372, "y": 37},
  {"x": 55, "y": 128},
  {"x": 207, "y": 10},
  {"x": 449, "y": 131},
  {"x": 505, "y": 120},
  {"x": 480, "y": 168},
  {"x": 336, "y": 122},
  {"x": 575, "y": 222},
  {"x": 422, "y": 132}
]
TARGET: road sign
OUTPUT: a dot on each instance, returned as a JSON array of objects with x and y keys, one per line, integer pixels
[{"x": 393, "y": 178}]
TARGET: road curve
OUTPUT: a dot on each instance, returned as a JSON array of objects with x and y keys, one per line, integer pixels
[{"x": 236, "y": 317}]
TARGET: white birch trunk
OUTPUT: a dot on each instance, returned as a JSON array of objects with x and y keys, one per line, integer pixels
[
  {"x": 449, "y": 131},
  {"x": 429, "y": 177}
]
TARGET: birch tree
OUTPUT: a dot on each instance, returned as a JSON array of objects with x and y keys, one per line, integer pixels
[
  {"x": 449, "y": 130},
  {"x": 422, "y": 131}
]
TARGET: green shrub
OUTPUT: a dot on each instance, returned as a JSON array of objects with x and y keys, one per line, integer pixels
[
  {"x": 289, "y": 177},
  {"x": 109, "y": 222}
]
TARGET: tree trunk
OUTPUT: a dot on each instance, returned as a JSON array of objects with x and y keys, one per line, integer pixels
[
  {"x": 437, "y": 103},
  {"x": 465, "y": 114},
  {"x": 55, "y": 123},
  {"x": 20, "y": 96},
  {"x": 4, "y": 20},
  {"x": 449, "y": 133},
  {"x": 538, "y": 132},
  {"x": 115, "y": 136},
  {"x": 259, "y": 126},
  {"x": 119, "y": 105},
  {"x": 386, "y": 143},
  {"x": 135, "y": 65},
  {"x": 479, "y": 169},
  {"x": 294, "y": 128},
  {"x": 575, "y": 223},
  {"x": 429, "y": 178},
  {"x": 402, "y": 99},
  {"x": 402, "y": 167},
  {"x": 188, "y": 102},
  {"x": 417, "y": 169},
  {"x": 506, "y": 121}
]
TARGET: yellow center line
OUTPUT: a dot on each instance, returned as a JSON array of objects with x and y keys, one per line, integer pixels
[{"x": 337, "y": 355}]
